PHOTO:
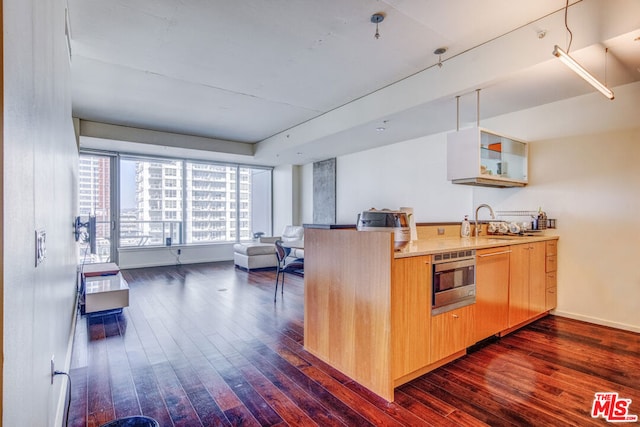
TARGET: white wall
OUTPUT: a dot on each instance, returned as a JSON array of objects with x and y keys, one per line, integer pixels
[
  {"x": 590, "y": 183},
  {"x": 40, "y": 179},
  {"x": 408, "y": 174}
]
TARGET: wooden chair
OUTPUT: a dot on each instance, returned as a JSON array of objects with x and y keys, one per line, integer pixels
[{"x": 295, "y": 266}]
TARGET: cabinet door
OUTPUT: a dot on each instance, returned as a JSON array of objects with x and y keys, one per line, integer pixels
[
  {"x": 492, "y": 292},
  {"x": 519, "y": 284},
  {"x": 410, "y": 314},
  {"x": 451, "y": 332},
  {"x": 537, "y": 279}
]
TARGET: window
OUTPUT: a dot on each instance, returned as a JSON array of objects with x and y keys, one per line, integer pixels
[
  {"x": 144, "y": 218},
  {"x": 156, "y": 193},
  {"x": 94, "y": 198}
]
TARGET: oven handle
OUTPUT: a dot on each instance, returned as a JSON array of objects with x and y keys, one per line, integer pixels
[
  {"x": 494, "y": 253},
  {"x": 452, "y": 265}
]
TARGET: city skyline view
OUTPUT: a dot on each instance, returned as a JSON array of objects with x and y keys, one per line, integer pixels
[{"x": 172, "y": 202}]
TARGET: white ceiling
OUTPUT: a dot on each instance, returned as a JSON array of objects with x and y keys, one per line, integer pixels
[{"x": 305, "y": 80}]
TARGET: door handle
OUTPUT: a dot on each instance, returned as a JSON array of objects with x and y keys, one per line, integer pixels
[{"x": 494, "y": 253}]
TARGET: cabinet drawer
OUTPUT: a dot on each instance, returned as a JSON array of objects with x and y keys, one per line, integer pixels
[
  {"x": 552, "y": 247},
  {"x": 551, "y": 279},
  {"x": 551, "y": 300},
  {"x": 551, "y": 263}
]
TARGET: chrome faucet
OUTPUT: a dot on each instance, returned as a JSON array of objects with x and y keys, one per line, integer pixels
[{"x": 493, "y": 216}]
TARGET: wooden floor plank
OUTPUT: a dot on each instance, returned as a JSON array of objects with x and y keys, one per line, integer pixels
[
  {"x": 125, "y": 400},
  {"x": 523, "y": 398},
  {"x": 151, "y": 401},
  {"x": 205, "y": 345},
  {"x": 307, "y": 402},
  {"x": 79, "y": 387}
]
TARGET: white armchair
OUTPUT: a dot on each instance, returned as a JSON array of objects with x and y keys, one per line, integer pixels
[{"x": 262, "y": 254}]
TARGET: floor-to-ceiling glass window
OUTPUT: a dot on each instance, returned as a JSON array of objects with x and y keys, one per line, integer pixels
[
  {"x": 184, "y": 202},
  {"x": 150, "y": 202},
  {"x": 210, "y": 202},
  {"x": 95, "y": 244}
]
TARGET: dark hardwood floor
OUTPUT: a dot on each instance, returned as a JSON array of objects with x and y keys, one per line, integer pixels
[{"x": 206, "y": 345}]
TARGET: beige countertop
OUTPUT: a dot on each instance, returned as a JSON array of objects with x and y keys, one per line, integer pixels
[{"x": 433, "y": 246}]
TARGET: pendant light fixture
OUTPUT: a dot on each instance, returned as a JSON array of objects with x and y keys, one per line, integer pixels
[
  {"x": 577, "y": 68},
  {"x": 439, "y": 51},
  {"x": 377, "y": 18}
]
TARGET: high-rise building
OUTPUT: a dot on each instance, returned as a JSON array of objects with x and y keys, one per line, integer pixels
[
  {"x": 207, "y": 209},
  {"x": 94, "y": 198},
  {"x": 94, "y": 187},
  {"x": 188, "y": 202}
]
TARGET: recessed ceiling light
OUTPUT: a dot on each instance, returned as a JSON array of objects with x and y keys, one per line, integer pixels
[{"x": 380, "y": 129}]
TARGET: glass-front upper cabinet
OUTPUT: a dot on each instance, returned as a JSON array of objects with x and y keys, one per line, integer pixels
[{"x": 476, "y": 156}]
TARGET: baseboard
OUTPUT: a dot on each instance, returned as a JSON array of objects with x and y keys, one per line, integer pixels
[
  {"x": 597, "y": 321},
  {"x": 169, "y": 264},
  {"x": 61, "y": 407}
]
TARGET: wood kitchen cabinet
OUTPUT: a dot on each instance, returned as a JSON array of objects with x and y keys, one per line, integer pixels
[
  {"x": 367, "y": 306},
  {"x": 451, "y": 332},
  {"x": 410, "y": 314},
  {"x": 527, "y": 283},
  {"x": 551, "y": 278},
  {"x": 347, "y": 304},
  {"x": 492, "y": 292}
]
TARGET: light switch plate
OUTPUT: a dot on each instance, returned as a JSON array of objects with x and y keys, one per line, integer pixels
[{"x": 41, "y": 246}]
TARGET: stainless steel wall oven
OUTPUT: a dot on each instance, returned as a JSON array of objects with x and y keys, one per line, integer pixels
[{"x": 454, "y": 280}]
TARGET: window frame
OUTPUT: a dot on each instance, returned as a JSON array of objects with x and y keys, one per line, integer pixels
[{"x": 181, "y": 193}]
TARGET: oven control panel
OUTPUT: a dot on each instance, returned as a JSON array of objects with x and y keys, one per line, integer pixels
[{"x": 453, "y": 256}]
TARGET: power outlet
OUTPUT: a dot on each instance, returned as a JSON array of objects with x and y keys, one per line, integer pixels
[{"x": 53, "y": 367}]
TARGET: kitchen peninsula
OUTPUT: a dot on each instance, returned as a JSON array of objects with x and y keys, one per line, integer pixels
[{"x": 367, "y": 306}]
